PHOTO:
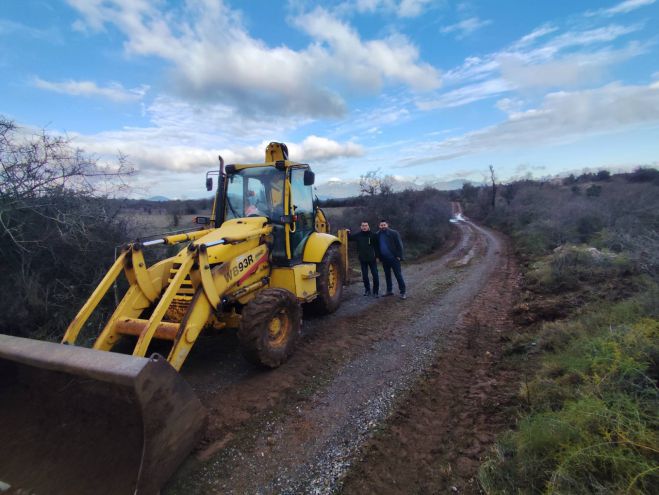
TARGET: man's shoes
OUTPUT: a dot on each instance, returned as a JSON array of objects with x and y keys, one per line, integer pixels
[
  {"x": 389, "y": 294},
  {"x": 367, "y": 292},
  {"x": 376, "y": 295},
  {"x": 403, "y": 296}
]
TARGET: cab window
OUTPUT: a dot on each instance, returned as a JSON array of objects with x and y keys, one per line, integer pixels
[
  {"x": 255, "y": 191},
  {"x": 302, "y": 208}
]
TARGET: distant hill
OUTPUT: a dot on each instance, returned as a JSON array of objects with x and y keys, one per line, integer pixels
[{"x": 158, "y": 198}]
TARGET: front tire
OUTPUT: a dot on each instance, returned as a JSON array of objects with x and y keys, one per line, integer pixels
[
  {"x": 329, "y": 284},
  {"x": 270, "y": 327}
]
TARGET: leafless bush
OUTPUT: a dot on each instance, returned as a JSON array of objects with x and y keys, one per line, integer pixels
[
  {"x": 421, "y": 217},
  {"x": 57, "y": 231},
  {"x": 620, "y": 213}
]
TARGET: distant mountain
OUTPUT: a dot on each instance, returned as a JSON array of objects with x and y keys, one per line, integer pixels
[
  {"x": 336, "y": 188},
  {"x": 158, "y": 198}
]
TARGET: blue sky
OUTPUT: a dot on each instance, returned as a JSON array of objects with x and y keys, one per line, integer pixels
[{"x": 420, "y": 89}]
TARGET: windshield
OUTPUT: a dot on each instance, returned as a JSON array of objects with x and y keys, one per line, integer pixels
[{"x": 256, "y": 192}]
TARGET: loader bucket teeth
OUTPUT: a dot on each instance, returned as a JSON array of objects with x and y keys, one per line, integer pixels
[{"x": 76, "y": 420}]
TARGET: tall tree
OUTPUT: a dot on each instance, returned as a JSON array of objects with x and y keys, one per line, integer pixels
[{"x": 494, "y": 186}]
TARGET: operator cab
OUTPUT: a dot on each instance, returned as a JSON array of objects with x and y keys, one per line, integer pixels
[{"x": 278, "y": 190}]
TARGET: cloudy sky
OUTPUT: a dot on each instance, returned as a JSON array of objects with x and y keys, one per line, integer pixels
[{"x": 421, "y": 89}]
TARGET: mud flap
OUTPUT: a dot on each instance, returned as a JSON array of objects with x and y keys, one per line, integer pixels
[{"x": 76, "y": 420}]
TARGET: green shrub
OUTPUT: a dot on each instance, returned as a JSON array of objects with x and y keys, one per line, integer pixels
[
  {"x": 593, "y": 421},
  {"x": 570, "y": 267},
  {"x": 594, "y": 191},
  {"x": 644, "y": 174}
]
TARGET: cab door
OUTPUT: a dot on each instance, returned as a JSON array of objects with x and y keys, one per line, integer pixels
[{"x": 301, "y": 208}]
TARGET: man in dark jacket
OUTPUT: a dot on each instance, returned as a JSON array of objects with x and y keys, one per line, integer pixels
[
  {"x": 367, "y": 248},
  {"x": 391, "y": 253}
]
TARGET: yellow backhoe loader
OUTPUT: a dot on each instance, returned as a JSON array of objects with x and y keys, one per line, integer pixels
[{"x": 78, "y": 420}]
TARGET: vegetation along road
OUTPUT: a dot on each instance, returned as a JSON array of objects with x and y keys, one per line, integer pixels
[{"x": 353, "y": 394}]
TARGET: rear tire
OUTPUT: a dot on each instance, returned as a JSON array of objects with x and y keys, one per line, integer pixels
[
  {"x": 270, "y": 327},
  {"x": 329, "y": 284}
]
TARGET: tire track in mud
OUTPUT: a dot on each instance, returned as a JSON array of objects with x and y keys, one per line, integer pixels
[
  {"x": 443, "y": 427},
  {"x": 355, "y": 363}
]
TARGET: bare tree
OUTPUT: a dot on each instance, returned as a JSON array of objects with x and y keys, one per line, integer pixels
[
  {"x": 57, "y": 231},
  {"x": 494, "y": 186},
  {"x": 373, "y": 183},
  {"x": 37, "y": 171},
  {"x": 369, "y": 183}
]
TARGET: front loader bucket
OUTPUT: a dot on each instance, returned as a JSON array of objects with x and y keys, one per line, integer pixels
[{"x": 79, "y": 421}]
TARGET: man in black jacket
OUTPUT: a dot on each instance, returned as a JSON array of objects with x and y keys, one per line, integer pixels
[
  {"x": 390, "y": 249},
  {"x": 367, "y": 248}
]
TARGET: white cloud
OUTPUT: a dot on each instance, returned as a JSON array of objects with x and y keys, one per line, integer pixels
[
  {"x": 509, "y": 105},
  {"x": 622, "y": 8},
  {"x": 365, "y": 64},
  {"x": 473, "y": 68},
  {"x": 534, "y": 35},
  {"x": 386, "y": 113},
  {"x": 476, "y": 68},
  {"x": 403, "y": 8},
  {"x": 561, "y": 60},
  {"x": 466, "y": 27},
  {"x": 320, "y": 149},
  {"x": 628, "y": 6},
  {"x": 214, "y": 124},
  {"x": 146, "y": 153},
  {"x": 187, "y": 137},
  {"x": 114, "y": 91},
  {"x": 467, "y": 94},
  {"x": 411, "y": 8},
  {"x": 561, "y": 118},
  {"x": 580, "y": 69},
  {"x": 589, "y": 37},
  {"x": 213, "y": 57},
  {"x": 369, "y": 5}
]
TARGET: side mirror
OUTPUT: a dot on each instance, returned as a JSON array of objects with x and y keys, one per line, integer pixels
[
  {"x": 309, "y": 178},
  {"x": 202, "y": 220},
  {"x": 209, "y": 183}
]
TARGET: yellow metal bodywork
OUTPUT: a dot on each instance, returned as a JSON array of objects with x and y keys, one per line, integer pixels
[
  {"x": 238, "y": 265},
  {"x": 321, "y": 223},
  {"x": 299, "y": 279},
  {"x": 201, "y": 285},
  {"x": 342, "y": 234},
  {"x": 275, "y": 152},
  {"x": 317, "y": 246}
]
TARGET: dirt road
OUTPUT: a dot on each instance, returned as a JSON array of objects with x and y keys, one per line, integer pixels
[{"x": 336, "y": 416}]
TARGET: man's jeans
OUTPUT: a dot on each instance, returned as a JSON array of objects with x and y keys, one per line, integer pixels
[
  {"x": 373, "y": 265},
  {"x": 393, "y": 264}
]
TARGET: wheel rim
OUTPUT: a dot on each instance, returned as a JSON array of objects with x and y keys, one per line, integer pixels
[
  {"x": 332, "y": 279},
  {"x": 279, "y": 329}
]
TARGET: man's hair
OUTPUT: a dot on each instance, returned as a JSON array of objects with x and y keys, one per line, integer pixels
[
  {"x": 364, "y": 221},
  {"x": 385, "y": 221}
]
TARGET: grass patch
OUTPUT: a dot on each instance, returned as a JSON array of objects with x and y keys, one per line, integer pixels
[
  {"x": 591, "y": 420},
  {"x": 570, "y": 266}
]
